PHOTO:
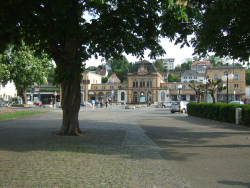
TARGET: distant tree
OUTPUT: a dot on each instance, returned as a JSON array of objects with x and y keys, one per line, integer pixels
[
  {"x": 238, "y": 65},
  {"x": 121, "y": 67},
  {"x": 102, "y": 66},
  {"x": 177, "y": 68},
  {"x": 24, "y": 68},
  {"x": 173, "y": 78},
  {"x": 214, "y": 86},
  {"x": 196, "y": 58},
  {"x": 187, "y": 65},
  {"x": 198, "y": 88},
  {"x": 159, "y": 65},
  {"x": 105, "y": 79}
]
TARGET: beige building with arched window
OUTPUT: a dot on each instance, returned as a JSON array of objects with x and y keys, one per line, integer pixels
[{"x": 145, "y": 84}]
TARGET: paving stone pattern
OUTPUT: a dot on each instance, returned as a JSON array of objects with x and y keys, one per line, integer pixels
[{"x": 113, "y": 152}]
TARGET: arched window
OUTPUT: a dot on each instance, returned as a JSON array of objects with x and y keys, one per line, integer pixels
[
  {"x": 100, "y": 96},
  {"x": 123, "y": 96},
  {"x": 162, "y": 96},
  {"x": 108, "y": 96}
]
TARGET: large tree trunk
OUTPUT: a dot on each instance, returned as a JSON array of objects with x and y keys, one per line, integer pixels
[
  {"x": 70, "y": 106},
  {"x": 24, "y": 96},
  {"x": 69, "y": 71}
]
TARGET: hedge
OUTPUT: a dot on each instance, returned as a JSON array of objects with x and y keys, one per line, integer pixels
[{"x": 219, "y": 111}]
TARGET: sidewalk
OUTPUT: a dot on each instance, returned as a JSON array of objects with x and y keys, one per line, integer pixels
[{"x": 113, "y": 152}]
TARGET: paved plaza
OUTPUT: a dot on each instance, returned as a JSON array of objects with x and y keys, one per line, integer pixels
[{"x": 144, "y": 147}]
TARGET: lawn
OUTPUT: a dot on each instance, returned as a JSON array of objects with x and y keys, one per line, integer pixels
[{"x": 12, "y": 113}]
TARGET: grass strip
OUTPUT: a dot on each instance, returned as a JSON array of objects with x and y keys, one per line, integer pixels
[{"x": 9, "y": 114}]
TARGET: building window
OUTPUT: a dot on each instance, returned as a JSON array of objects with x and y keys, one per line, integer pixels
[
  {"x": 192, "y": 98},
  {"x": 215, "y": 76},
  {"x": 135, "y": 84},
  {"x": 111, "y": 87},
  {"x": 135, "y": 97},
  {"x": 103, "y": 87},
  {"x": 173, "y": 86},
  {"x": 123, "y": 96},
  {"x": 236, "y": 85},
  {"x": 141, "y": 84},
  {"x": 162, "y": 96},
  {"x": 96, "y": 88},
  {"x": 236, "y": 76}
]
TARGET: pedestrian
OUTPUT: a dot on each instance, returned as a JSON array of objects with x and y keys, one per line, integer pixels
[
  {"x": 101, "y": 103},
  {"x": 93, "y": 104},
  {"x": 106, "y": 104},
  {"x": 124, "y": 103}
]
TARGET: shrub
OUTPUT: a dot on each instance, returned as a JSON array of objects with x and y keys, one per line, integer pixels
[{"x": 219, "y": 111}]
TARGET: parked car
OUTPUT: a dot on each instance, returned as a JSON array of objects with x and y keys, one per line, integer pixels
[
  {"x": 178, "y": 106},
  {"x": 83, "y": 103},
  {"x": 168, "y": 104},
  {"x": 236, "y": 102}
]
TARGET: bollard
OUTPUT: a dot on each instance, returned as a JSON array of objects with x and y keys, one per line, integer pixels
[{"x": 238, "y": 115}]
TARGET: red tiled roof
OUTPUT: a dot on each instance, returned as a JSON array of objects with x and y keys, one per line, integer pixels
[{"x": 201, "y": 62}]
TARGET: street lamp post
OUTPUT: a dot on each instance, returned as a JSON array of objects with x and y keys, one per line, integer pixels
[
  {"x": 86, "y": 90},
  {"x": 205, "y": 81},
  {"x": 179, "y": 88},
  {"x": 227, "y": 76}
]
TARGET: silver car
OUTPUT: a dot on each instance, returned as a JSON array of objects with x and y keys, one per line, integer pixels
[{"x": 178, "y": 106}]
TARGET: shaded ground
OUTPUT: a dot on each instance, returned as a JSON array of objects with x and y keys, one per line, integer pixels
[
  {"x": 205, "y": 153},
  {"x": 145, "y": 147}
]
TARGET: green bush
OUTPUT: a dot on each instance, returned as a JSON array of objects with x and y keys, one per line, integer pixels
[{"x": 219, "y": 111}]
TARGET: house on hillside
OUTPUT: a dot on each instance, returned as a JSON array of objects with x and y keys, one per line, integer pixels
[
  {"x": 169, "y": 63},
  {"x": 200, "y": 66},
  {"x": 190, "y": 75},
  {"x": 102, "y": 72},
  {"x": 114, "y": 79}
]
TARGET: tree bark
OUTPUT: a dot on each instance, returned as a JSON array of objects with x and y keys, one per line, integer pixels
[
  {"x": 70, "y": 106},
  {"x": 24, "y": 96}
]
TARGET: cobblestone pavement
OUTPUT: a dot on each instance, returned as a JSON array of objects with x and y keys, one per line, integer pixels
[{"x": 114, "y": 151}]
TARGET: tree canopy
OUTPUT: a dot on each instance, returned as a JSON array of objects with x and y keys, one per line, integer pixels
[
  {"x": 72, "y": 31},
  {"x": 24, "y": 68},
  {"x": 222, "y": 28}
]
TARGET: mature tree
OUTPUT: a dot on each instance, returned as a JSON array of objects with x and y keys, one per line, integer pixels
[
  {"x": 63, "y": 29},
  {"x": 23, "y": 68},
  {"x": 198, "y": 88},
  {"x": 222, "y": 28}
]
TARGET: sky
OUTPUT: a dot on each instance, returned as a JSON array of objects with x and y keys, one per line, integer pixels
[{"x": 172, "y": 51}]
